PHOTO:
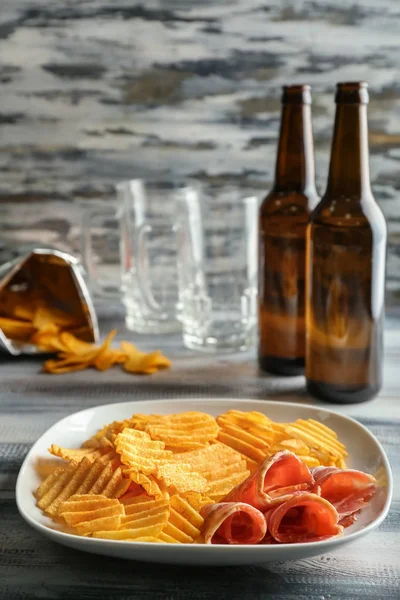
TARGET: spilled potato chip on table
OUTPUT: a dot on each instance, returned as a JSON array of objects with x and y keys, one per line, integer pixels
[
  {"x": 33, "y": 320},
  {"x": 154, "y": 477}
]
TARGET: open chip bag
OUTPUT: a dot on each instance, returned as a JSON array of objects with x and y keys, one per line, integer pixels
[
  {"x": 43, "y": 290},
  {"x": 45, "y": 307}
]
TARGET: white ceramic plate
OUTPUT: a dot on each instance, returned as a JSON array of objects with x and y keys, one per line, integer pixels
[{"x": 365, "y": 453}]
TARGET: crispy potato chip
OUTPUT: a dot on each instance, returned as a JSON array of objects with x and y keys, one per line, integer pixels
[
  {"x": 181, "y": 478},
  {"x": 74, "y": 453},
  {"x": 23, "y": 311},
  {"x": 188, "y": 431},
  {"x": 143, "y": 519},
  {"x": 15, "y": 329},
  {"x": 91, "y": 513},
  {"x": 196, "y": 500},
  {"x": 138, "y": 451},
  {"x": 139, "y": 362},
  {"x": 220, "y": 465},
  {"x": 254, "y": 422},
  {"x": 81, "y": 478},
  {"x": 251, "y": 447},
  {"x": 46, "y": 485},
  {"x": 45, "y": 315},
  {"x": 135, "y": 490},
  {"x": 48, "y": 342},
  {"x": 147, "y": 482},
  {"x": 252, "y": 434},
  {"x": 321, "y": 440},
  {"x": 79, "y": 502},
  {"x": 184, "y": 522}
]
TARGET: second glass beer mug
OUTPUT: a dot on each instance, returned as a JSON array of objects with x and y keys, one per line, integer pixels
[
  {"x": 217, "y": 251},
  {"x": 146, "y": 231}
]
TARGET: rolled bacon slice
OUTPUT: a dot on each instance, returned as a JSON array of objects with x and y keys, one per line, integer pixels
[
  {"x": 282, "y": 470},
  {"x": 347, "y": 489},
  {"x": 304, "y": 517},
  {"x": 232, "y": 523}
]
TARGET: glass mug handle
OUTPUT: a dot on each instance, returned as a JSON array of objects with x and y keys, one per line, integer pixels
[
  {"x": 153, "y": 308},
  {"x": 106, "y": 290}
]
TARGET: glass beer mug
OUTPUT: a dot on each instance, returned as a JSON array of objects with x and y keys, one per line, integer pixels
[{"x": 143, "y": 233}]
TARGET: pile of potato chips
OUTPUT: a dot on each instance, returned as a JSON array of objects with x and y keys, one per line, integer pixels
[
  {"x": 147, "y": 477},
  {"x": 34, "y": 320}
]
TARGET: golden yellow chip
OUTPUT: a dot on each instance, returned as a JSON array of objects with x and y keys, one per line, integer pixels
[
  {"x": 51, "y": 479},
  {"x": 143, "y": 519},
  {"x": 220, "y": 465},
  {"x": 74, "y": 453},
  {"x": 209, "y": 457},
  {"x": 48, "y": 341},
  {"x": 140, "y": 362},
  {"x": 15, "y": 329},
  {"x": 294, "y": 445},
  {"x": 91, "y": 513},
  {"x": 181, "y": 478},
  {"x": 254, "y": 422},
  {"x": 322, "y": 441},
  {"x": 148, "y": 482},
  {"x": 188, "y": 431},
  {"x": 138, "y": 451},
  {"x": 81, "y": 478},
  {"x": 184, "y": 522},
  {"x": 196, "y": 500},
  {"x": 45, "y": 315},
  {"x": 253, "y": 448}
]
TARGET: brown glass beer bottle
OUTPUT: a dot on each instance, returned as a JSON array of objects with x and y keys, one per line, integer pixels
[
  {"x": 346, "y": 253},
  {"x": 284, "y": 215}
]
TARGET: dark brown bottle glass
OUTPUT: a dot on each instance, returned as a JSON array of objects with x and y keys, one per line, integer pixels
[
  {"x": 346, "y": 253},
  {"x": 284, "y": 215}
]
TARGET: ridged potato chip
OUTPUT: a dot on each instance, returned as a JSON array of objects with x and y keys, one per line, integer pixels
[
  {"x": 88, "y": 513},
  {"x": 81, "y": 478},
  {"x": 250, "y": 433},
  {"x": 138, "y": 451},
  {"x": 74, "y": 453},
  {"x": 179, "y": 477},
  {"x": 184, "y": 523},
  {"x": 322, "y": 441},
  {"x": 180, "y": 432},
  {"x": 146, "y": 518},
  {"x": 147, "y": 482},
  {"x": 220, "y": 465}
]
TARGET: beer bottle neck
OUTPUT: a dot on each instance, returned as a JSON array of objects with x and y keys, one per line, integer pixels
[
  {"x": 295, "y": 160},
  {"x": 349, "y": 166}
]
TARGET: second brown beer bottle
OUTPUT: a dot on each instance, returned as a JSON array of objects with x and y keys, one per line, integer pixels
[
  {"x": 284, "y": 214},
  {"x": 346, "y": 254}
]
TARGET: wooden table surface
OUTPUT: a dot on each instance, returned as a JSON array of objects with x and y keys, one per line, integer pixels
[{"x": 32, "y": 566}]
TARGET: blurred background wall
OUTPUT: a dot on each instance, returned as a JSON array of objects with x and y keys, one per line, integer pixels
[{"x": 93, "y": 92}]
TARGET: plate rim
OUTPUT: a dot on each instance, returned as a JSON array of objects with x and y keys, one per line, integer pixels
[{"x": 325, "y": 545}]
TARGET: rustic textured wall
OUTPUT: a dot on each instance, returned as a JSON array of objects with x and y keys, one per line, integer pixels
[{"x": 95, "y": 91}]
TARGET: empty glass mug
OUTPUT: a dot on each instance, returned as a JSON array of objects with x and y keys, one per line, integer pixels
[
  {"x": 217, "y": 255},
  {"x": 147, "y": 239}
]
